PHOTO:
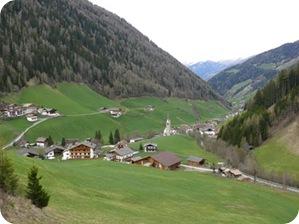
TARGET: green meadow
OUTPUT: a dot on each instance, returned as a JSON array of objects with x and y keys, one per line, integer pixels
[
  {"x": 80, "y": 106},
  {"x": 96, "y": 191},
  {"x": 182, "y": 145}
]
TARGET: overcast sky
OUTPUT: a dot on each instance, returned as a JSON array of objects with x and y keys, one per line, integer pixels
[{"x": 193, "y": 30}]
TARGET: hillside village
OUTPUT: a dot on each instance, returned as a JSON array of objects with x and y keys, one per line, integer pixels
[{"x": 147, "y": 155}]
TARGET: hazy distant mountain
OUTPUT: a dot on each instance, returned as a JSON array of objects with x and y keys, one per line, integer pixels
[
  {"x": 49, "y": 41},
  {"x": 239, "y": 82},
  {"x": 207, "y": 69}
]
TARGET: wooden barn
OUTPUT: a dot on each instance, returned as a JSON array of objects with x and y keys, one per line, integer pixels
[
  {"x": 165, "y": 161},
  {"x": 195, "y": 161}
]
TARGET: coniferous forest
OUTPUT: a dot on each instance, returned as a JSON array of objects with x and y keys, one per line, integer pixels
[
  {"x": 49, "y": 41},
  {"x": 277, "y": 100}
]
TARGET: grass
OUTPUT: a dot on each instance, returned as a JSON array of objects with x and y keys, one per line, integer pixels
[
  {"x": 281, "y": 152},
  {"x": 95, "y": 191},
  {"x": 11, "y": 128},
  {"x": 77, "y": 99},
  {"x": 182, "y": 145},
  {"x": 276, "y": 156}
]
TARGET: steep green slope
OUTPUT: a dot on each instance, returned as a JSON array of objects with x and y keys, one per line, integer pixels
[
  {"x": 94, "y": 191},
  {"x": 281, "y": 152},
  {"x": 238, "y": 82},
  {"x": 73, "y": 40},
  {"x": 80, "y": 106}
]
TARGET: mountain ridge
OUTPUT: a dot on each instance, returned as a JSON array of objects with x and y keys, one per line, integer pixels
[
  {"x": 65, "y": 40},
  {"x": 208, "y": 69},
  {"x": 241, "y": 80}
]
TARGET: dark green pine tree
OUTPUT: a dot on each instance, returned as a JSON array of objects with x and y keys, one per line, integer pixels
[
  {"x": 35, "y": 192},
  {"x": 63, "y": 141},
  {"x": 98, "y": 136},
  {"x": 8, "y": 179},
  {"x": 50, "y": 141},
  {"x": 140, "y": 147},
  {"x": 111, "y": 140},
  {"x": 116, "y": 136}
]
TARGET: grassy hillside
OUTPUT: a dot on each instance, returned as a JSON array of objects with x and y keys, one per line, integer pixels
[
  {"x": 94, "y": 191},
  {"x": 10, "y": 129},
  {"x": 80, "y": 105},
  {"x": 281, "y": 152},
  {"x": 182, "y": 145}
]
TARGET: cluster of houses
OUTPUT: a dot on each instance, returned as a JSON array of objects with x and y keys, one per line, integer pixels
[
  {"x": 73, "y": 149},
  {"x": 121, "y": 152},
  {"x": 29, "y": 110},
  {"x": 114, "y": 112}
]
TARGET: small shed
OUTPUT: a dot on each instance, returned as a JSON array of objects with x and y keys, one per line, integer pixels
[
  {"x": 140, "y": 160},
  {"x": 195, "y": 161}
]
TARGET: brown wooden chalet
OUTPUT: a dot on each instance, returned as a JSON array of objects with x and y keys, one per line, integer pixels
[
  {"x": 195, "y": 161},
  {"x": 165, "y": 161}
]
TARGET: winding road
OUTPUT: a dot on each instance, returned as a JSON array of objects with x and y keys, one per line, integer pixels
[{"x": 25, "y": 131}]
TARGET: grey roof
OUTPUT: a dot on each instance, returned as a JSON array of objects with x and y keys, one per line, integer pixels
[
  {"x": 195, "y": 159},
  {"x": 52, "y": 147},
  {"x": 86, "y": 143},
  {"x": 41, "y": 139},
  {"x": 26, "y": 151},
  {"x": 137, "y": 158},
  {"x": 124, "y": 151},
  {"x": 167, "y": 158}
]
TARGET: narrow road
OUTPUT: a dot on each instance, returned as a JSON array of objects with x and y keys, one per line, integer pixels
[
  {"x": 258, "y": 180},
  {"x": 25, "y": 131}
]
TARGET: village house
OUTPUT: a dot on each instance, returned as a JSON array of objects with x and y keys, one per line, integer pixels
[
  {"x": 32, "y": 153},
  {"x": 121, "y": 144},
  {"x": 50, "y": 112},
  {"x": 150, "y": 147},
  {"x": 80, "y": 150},
  {"x": 149, "y": 108},
  {"x": 123, "y": 154},
  {"x": 29, "y": 108},
  {"x": 54, "y": 151},
  {"x": 42, "y": 142},
  {"x": 144, "y": 161},
  {"x": 31, "y": 118},
  {"x": 109, "y": 157},
  {"x": 115, "y": 112},
  {"x": 195, "y": 161},
  {"x": 132, "y": 140},
  {"x": 165, "y": 161}
]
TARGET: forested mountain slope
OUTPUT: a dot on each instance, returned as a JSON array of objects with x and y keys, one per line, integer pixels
[
  {"x": 277, "y": 101},
  {"x": 49, "y": 41},
  {"x": 239, "y": 81}
]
